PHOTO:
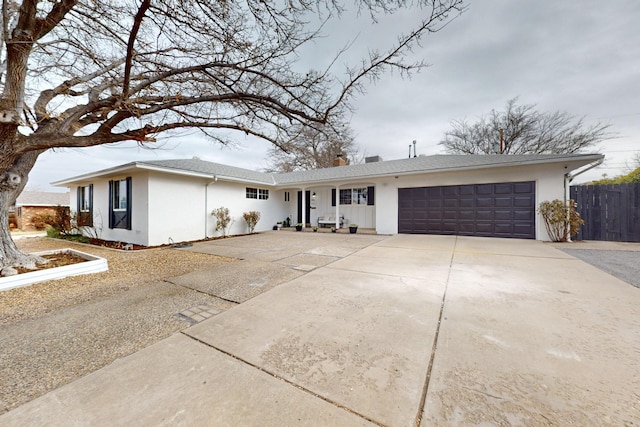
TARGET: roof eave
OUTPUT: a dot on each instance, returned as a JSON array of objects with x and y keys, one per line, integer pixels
[
  {"x": 582, "y": 161},
  {"x": 145, "y": 166}
]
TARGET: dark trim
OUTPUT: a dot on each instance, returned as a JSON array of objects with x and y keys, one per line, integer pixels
[
  {"x": 129, "y": 200},
  {"x": 370, "y": 196},
  {"x": 79, "y": 202},
  {"x": 307, "y": 195},
  {"x": 119, "y": 219},
  {"x": 110, "y": 197},
  {"x": 333, "y": 197}
]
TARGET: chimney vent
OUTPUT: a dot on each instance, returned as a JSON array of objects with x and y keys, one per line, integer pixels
[
  {"x": 372, "y": 159},
  {"x": 339, "y": 161}
]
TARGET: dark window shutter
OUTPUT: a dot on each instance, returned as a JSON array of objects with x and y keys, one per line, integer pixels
[
  {"x": 129, "y": 203},
  {"x": 333, "y": 197},
  {"x": 91, "y": 203},
  {"x": 370, "y": 196},
  {"x": 78, "y": 202},
  {"x": 110, "y": 204}
]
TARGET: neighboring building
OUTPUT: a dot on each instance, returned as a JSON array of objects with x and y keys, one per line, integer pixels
[
  {"x": 157, "y": 202},
  {"x": 32, "y": 203}
]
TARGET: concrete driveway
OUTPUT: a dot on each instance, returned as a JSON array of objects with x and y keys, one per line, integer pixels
[{"x": 373, "y": 330}]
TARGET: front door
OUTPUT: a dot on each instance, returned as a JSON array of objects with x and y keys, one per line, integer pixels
[{"x": 307, "y": 196}]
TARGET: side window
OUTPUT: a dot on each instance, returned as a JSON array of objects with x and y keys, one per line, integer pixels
[
  {"x": 120, "y": 203},
  {"x": 257, "y": 193},
  {"x": 252, "y": 193},
  {"x": 359, "y": 196},
  {"x": 85, "y": 206},
  {"x": 345, "y": 197}
]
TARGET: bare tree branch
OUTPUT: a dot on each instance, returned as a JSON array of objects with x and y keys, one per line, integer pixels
[
  {"x": 524, "y": 130},
  {"x": 132, "y": 39},
  {"x": 81, "y": 74}
]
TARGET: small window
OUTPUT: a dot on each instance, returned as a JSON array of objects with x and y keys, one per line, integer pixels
[
  {"x": 345, "y": 197},
  {"x": 257, "y": 193},
  {"x": 252, "y": 193},
  {"x": 287, "y": 196},
  {"x": 85, "y": 206},
  {"x": 120, "y": 204},
  {"x": 120, "y": 195},
  {"x": 359, "y": 196}
]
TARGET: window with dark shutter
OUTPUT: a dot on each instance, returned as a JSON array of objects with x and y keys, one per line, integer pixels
[
  {"x": 120, "y": 204},
  {"x": 84, "y": 207}
]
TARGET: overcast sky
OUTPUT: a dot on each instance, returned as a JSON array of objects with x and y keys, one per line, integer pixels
[{"x": 582, "y": 57}]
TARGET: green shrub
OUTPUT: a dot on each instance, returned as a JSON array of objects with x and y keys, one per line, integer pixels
[{"x": 252, "y": 218}]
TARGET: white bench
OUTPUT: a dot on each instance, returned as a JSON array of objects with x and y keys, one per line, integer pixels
[{"x": 329, "y": 221}]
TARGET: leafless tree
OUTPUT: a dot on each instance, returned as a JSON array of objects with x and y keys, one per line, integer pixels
[
  {"x": 524, "y": 131},
  {"x": 314, "y": 148},
  {"x": 85, "y": 73}
]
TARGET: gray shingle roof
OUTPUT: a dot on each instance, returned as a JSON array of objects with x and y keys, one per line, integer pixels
[
  {"x": 42, "y": 198},
  {"x": 422, "y": 164},
  {"x": 435, "y": 163},
  {"x": 210, "y": 168}
]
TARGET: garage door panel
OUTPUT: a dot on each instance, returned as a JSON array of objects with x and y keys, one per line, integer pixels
[
  {"x": 466, "y": 203},
  {"x": 503, "y": 202},
  {"x": 483, "y": 202},
  {"x": 450, "y": 227},
  {"x": 431, "y": 192},
  {"x": 522, "y": 202},
  {"x": 496, "y": 209},
  {"x": 484, "y": 215},
  {"x": 433, "y": 215},
  {"x": 450, "y": 203},
  {"x": 433, "y": 203},
  {"x": 503, "y": 215},
  {"x": 484, "y": 189},
  {"x": 523, "y": 230},
  {"x": 524, "y": 215},
  {"x": 466, "y": 190},
  {"x": 523, "y": 187},
  {"x": 449, "y": 215},
  {"x": 466, "y": 215},
  {"x": 450, "y": 191},
  {"x": 503, "y": 188}
]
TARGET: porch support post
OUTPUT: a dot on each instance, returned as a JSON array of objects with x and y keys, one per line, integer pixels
[
  {"x": 337, "y": 207},
  {"x": 304, "y": 207}
]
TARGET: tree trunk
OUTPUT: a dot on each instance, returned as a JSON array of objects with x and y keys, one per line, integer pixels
[{"x": 12, "y": 182}]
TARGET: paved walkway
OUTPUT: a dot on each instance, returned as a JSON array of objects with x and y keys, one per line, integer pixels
[{"x": 401, "y": 330}]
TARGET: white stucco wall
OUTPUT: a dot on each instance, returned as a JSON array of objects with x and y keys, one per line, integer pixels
[
  {"x": 139, "y": 212},
  {"x": 176, "y": 207},
  {"x": 233, "y": 196},
  {"x": 549, "y": 181}
]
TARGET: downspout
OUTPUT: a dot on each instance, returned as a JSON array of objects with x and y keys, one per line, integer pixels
[
  {"x": 568, "y": 177},
  {"x": 206, "y": 204}
]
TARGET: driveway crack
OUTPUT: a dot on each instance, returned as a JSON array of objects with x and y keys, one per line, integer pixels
[{"x": 434, "y": 347}]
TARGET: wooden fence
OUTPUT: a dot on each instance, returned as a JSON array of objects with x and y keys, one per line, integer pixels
[{"x": 610, "y": 212}]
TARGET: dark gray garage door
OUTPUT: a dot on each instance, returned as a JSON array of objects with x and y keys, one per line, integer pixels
[{"x": 494, "y": 210}]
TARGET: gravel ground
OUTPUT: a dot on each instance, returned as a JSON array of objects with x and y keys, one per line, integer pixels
[
  {"x": 55, "y": 332},
  {"x": 625, "y": 265}
]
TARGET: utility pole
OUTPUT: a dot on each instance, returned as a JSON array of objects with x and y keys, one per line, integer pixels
[{"x": 501, "y": 141}]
